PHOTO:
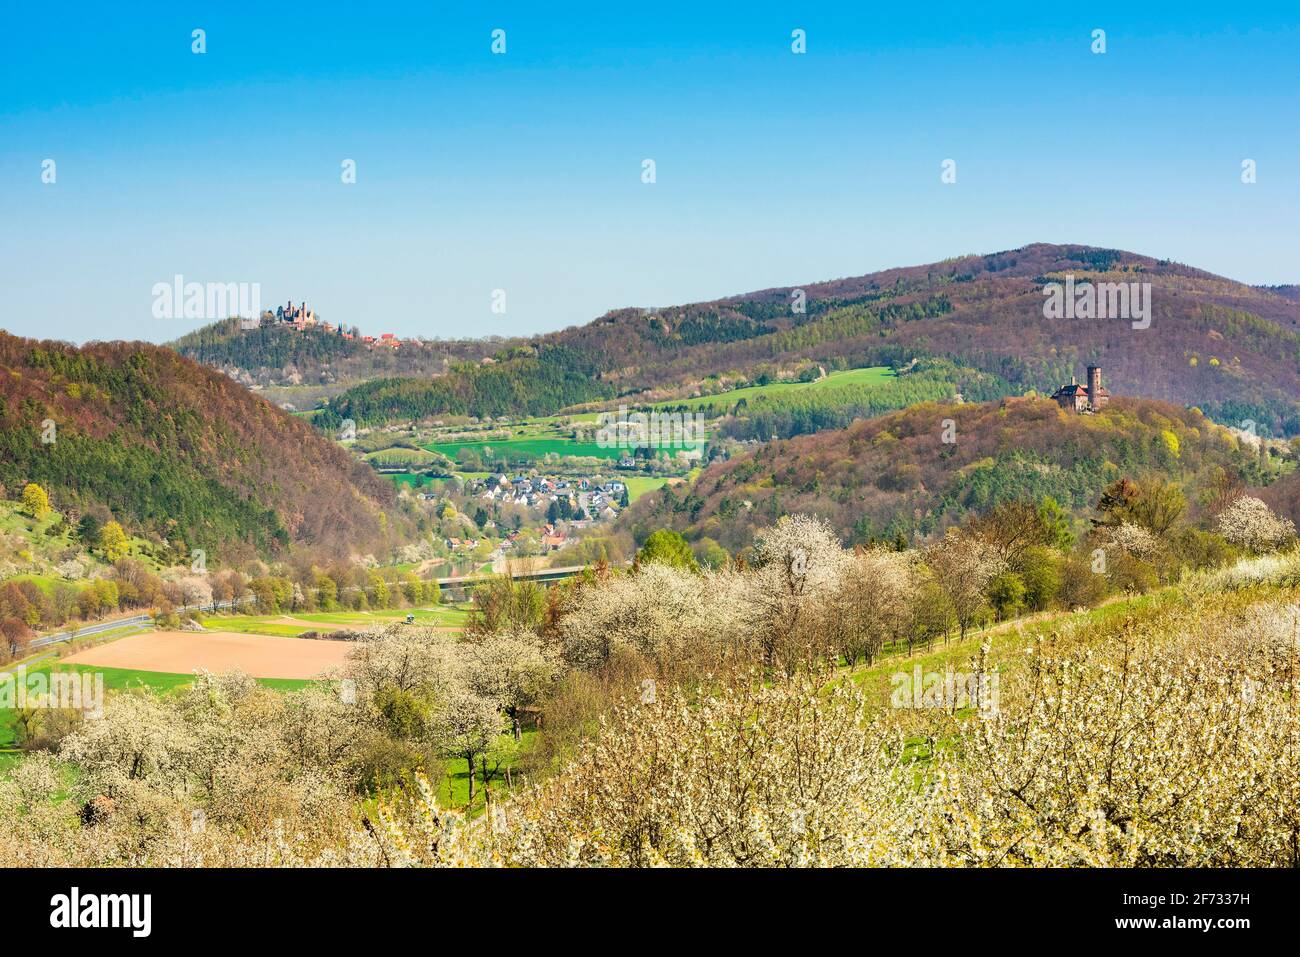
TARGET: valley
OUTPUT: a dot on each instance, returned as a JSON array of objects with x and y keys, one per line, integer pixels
[
  {"x": 444, "y": 580},
  {"x": 443, "y": 441}
]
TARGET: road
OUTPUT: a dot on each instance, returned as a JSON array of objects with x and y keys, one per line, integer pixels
[{"x": 102, "y": 626}]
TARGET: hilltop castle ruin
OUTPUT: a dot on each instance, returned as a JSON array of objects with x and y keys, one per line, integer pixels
[{"x": 1078, "y": 398}]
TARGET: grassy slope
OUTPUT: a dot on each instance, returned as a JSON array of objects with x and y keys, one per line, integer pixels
[
  {"x": 874, "y": 375},
  {"x": 538, "y": 446},
  {"x": 638, "y": 485},
  {"x": 453, "y": 789},
  {"x": 1007, "y": 641},
  {"x": 397, "y": 457},
  {"x": 540, "y": 443},
  {"x": 35, "y": 553}
]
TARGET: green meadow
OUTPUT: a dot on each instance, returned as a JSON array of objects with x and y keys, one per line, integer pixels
[
  {"x": 121, "y": 679},
  {"x": 1008, "y": 641},
  {"x": 532, "y": 446},
  {"x": 409, "y": 478},
  {"x": 453, "y": 789},
  {"x": 399, "y": 458},
  {"x": 444, "y": 616},
  {"x": 541, "y": 437},
  {"x": 638, "y": 485},
  {"x": 725, "y": 401}
]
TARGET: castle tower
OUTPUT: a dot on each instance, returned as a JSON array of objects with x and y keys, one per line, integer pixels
[{"x": 1097, "y": 396}]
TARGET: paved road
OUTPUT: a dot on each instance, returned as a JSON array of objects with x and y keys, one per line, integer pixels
[
  {"x": 48, "y": 641},
  {"x": 103, "y": 626},
  {"x": 95, "y": 629}
]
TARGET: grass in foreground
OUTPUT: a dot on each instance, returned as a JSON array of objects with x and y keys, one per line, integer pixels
[
  {"x": 120, "y": 679},
  {"x": 453, "y": 789},
  {"x": 1007, "y": 642}
]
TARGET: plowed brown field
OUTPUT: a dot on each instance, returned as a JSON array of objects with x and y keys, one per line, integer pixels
[{"x": 182, "y": 652}]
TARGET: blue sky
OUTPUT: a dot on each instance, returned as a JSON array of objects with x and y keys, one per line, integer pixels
[{"x": 522, "y": 171}]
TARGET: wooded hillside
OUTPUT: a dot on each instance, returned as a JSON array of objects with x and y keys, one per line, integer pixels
[
  {"x": 924, "y": 468},
  {"x": 1231, "y": 349},
  {"x": 180, "y": 451}
]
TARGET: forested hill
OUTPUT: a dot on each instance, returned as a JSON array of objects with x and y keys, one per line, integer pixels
[
  {"x": 278, "y": 355},
  {"x": 179, "y": 453},
  {"x": 921, "y": 469},
  {"x": 1231, "y": 349}
]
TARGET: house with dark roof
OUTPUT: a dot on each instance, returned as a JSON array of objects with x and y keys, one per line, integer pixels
[{"x": 1079, "y": 398}]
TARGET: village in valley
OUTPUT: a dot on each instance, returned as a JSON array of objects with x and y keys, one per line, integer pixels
[
  {"x": 498, "y": 490},
  {"x": 569, "y": 506}
]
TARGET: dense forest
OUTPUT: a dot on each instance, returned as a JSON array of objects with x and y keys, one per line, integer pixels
[
  {"x": 1230, "y": 349},
  {"x": 178, "y": 452},
  {"x": 923, "y": 469},
  {"x": 523, "y": 385}
]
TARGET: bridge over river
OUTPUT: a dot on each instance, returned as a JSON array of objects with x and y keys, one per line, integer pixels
[{"x": 546, "y": 576}]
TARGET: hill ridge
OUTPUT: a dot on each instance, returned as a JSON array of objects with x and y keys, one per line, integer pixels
[
  {"x": 1229, "y": 348},
  {"x": 179, "y": 451},
  {"x": 916, "y": 471}
]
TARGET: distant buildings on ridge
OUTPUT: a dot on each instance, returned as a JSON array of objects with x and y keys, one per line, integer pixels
[{"x": 301, "y": 317}]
